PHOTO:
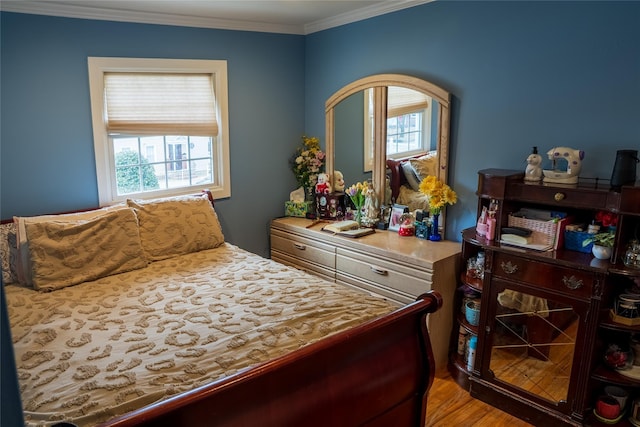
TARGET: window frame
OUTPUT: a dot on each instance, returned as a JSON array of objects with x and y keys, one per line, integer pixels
[{"x": 104, "y": 156}]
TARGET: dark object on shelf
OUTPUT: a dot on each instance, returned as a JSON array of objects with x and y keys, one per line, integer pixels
[{"x": 624, "y": 169}]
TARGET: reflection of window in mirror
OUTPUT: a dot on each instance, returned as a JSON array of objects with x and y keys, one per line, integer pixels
[{"x": 409, "y": 124}]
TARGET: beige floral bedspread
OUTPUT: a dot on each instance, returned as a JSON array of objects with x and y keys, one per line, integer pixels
[{"x": 89, "y": 352}]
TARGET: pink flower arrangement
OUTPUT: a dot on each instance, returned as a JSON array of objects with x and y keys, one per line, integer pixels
[{"x": 308, "y": 162}]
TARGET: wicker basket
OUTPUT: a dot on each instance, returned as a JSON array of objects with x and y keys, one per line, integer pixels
[{"x": 542, "y": 232}]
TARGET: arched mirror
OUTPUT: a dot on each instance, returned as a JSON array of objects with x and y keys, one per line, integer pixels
[{"x": 374, "y": 118}]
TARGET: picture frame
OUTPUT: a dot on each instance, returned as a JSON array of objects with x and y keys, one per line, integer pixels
[{"x": 394, "y": 218}]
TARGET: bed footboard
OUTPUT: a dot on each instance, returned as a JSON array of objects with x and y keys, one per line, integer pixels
[{"x": 377, "y": 374}]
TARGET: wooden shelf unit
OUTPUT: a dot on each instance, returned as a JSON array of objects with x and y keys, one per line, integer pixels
[{"x": 575, "y": 282}]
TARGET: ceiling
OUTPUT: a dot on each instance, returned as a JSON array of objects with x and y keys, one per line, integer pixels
[{"x": 276, "y": 16}]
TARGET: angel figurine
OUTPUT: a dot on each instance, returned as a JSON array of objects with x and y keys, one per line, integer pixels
[{"x": 370, "y": 207}]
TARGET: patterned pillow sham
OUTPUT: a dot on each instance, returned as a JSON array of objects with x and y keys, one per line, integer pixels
[
  {"x": 22, "y": 262},
  {"x": 8, "y": 252},
  {"x": 177, "y": 226},
  {"x": 65, "y": 252},
  {"x": 425, "y": 166}
]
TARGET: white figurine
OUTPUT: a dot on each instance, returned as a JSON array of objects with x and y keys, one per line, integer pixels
[
  {"x": 533, "y": 172},
  {"x": 338, "y": 181},
  {"x": 371, "y": 205}
]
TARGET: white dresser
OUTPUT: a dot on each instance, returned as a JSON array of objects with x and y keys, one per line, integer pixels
[{"x": 383, "y": 263}]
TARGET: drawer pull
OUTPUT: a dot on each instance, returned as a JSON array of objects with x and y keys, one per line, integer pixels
[
  {"x": 558, "y": 197},
  {"x": 508, "y": 267},
  {"x": 379, "y": 270},
  {"x": 572, "y": 282},
  {"x": 299, "y": 246}
]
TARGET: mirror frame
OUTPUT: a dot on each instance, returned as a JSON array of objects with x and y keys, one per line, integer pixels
[{"x": 379, "y": 83}]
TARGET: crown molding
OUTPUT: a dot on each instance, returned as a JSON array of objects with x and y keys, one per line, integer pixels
[
  {"x": 87, "y": 12},
  {"x": 362, "y": 14}
]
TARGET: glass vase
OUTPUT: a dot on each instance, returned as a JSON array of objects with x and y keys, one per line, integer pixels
[
  {"x": 358, "y": 215},
  {"x": 435, "y": 232}
]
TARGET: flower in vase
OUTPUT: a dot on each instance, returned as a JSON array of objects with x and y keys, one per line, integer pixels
[
  {"x": 307, "y": 162},
  {"x": 439, "y": 193},
  {"x": 357, "y": 193}
]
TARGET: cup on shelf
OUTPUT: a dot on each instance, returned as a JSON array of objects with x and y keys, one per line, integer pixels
[
  {"x": 617, "y": 393},
  {"x": 607, "y": 407},
  {"x": 472, "y": 312},
  {"x": 634, "y": 413}
]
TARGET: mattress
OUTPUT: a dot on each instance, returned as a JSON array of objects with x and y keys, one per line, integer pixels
[{"x": 89, "y": 352}]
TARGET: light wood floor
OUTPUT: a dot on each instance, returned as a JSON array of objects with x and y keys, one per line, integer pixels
[{"x": 450, "y": 405}]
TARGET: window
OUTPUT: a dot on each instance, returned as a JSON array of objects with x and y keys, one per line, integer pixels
[{"x": 160, "y": 127}]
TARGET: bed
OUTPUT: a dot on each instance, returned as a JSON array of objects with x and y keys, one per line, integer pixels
[
  {"x": 141, "y": 314},
  {"x": 405, "y": 176}
]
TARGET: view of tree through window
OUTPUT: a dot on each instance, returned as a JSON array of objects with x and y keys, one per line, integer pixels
[{"x": 148, "y": 163}]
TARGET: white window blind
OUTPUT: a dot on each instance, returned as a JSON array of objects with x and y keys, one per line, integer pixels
[
  {"x": 160, "y": 104},
  {"x": 401, "y": 101}
]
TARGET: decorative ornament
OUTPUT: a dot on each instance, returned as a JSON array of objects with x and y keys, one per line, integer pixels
[{"x": 561, "y": 156}]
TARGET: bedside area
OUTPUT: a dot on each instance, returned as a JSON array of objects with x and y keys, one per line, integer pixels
[{"x": 383, "y": 263}]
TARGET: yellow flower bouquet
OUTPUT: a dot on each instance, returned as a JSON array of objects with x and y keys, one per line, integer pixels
[{"x": 439, "y": 193}]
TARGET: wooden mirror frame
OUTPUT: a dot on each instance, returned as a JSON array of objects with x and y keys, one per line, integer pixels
[{"x": 379, "y": 83}]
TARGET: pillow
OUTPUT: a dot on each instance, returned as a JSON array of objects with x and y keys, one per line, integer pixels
[
  {"x": 410, "y": 175},
  {"x": 65, "y": 252},
  {"x": 22, "y": 271},
  {"x": 8, "y": 252},
  {"x": 425, "y": 166},
  {"x": 177, "y": 226},
  {"x": 412, "y": 199}
]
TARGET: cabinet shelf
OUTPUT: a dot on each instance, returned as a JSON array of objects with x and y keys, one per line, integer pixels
[
  {"x": 468, "y": 326},
  {"x": 607, "y": 375},
  {"x": 623, "y": 270},
  {"x": 607, "y": 323},
  {"x": 475, "y": 284}
]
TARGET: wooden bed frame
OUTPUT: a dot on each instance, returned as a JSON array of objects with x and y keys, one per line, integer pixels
[{"x": 377, "y": 374}]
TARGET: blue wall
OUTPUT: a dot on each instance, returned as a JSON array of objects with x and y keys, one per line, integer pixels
[
  {"x": 47, "y": 159},
  {"x": 522, "y": 74}
]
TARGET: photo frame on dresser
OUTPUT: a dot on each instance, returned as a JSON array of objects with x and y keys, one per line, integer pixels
[{"x": 394, "y": 218}]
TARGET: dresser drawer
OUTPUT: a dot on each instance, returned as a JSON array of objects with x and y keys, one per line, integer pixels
[
  {"x": 304, "y": 249},
  {"x": 558, "y": 196},
  {"x": 315, "y": 269},
  {"x": 405, "y": 280},
  {"x": 575, "y": 283}
]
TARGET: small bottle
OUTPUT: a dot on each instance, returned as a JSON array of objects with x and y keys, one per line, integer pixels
[
  {"x": 471, "y": 353},
  {"x": 491, "y": 226},
  {"x": 462, "y": 340}
]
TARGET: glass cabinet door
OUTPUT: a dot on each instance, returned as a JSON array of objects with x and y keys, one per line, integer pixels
[{"x": 532, "y": 342}]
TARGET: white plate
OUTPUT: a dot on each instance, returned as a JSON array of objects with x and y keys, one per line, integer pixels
[{"x": 634, "y": 372}]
